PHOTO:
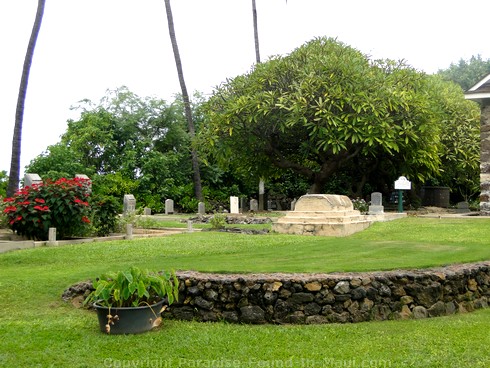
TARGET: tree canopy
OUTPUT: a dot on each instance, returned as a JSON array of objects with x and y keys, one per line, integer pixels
[
  {"x": 466, "y": 73},
  {"x": 317, "y": 109}
]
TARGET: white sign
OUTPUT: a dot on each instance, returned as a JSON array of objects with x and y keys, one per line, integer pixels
[{"x": 403, "y": 184}]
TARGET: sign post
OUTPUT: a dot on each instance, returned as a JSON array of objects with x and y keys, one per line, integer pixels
[{"x": 402, "y": 184}]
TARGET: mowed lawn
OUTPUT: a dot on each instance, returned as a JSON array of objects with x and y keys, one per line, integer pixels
[{"x": 38, "y": 329}]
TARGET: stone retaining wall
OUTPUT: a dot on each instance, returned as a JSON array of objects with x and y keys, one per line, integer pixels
[{"x": 332, "y": 298}]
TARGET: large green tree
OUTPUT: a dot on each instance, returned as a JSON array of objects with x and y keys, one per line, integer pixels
[
  {"x": 317, "y": 109},
  {"x": 124, "y": 138},
  {"x": 466, "y": 73},
  {"x": 14, "y": 174}
]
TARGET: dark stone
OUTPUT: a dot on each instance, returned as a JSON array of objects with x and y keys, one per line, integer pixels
[
  {"x": 338, "y": 317},
  {"x": 451, "y": 308},
  {"x": 358, "y": 293},
  {"x": 342, "y": 298},
  {"x": 381, "y": 312},
  {"x": 203, "y": 303},
  {"x": 182, "y": 313},
  {"x": 252, "y": 314},
  {"x": 282, "y": 309},
  {"x": 231, "y": 316},
  {"x": 242, "y": 302},
  {"x": 300, "y": 298},
  {"x": 297, "y": 317},
  {"x": 208, "y": 316},
  {"x": 372, "y": 293},
  {"x": 210, "y": 294},
  {"x": 481, "y": 303},
  {"x": 425, "y": 295},
  {"x": 312, "y": 309},
  {"x": 419, "y": 312},
  {"x": 316, "y": 320},
  {"x": 384, "y": 290},
  {"x": 193, "y": 291},
  {"x": 438, "y": 309},
  {"x": 269, "y": 297}
]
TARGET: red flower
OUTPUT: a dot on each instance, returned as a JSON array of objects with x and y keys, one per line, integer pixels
[
  {"x": 10, "y": 199},
  {"x": 40, "y": 200},
  {"x": 79, "y": 201},
  {"x": 85, "y": 219},
  {"x": 10, "y": 209},
  {"x": 25, "y": 203},
  {"x": 41, "y": 208}
]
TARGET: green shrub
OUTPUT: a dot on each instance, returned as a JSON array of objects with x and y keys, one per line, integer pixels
[
  {"x": 360, "y": 205},
  {"x": 218, "y": 221},
  {"x": 105, "y": 214}
]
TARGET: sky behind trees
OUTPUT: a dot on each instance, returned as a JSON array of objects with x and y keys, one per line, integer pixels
[{"x": 86, "y": 47}]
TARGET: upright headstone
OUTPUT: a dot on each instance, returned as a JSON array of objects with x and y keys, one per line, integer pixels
[
  {"x": 463, "y": 207},
  {"x": 169, "y": 207},
  {"x": 376, "y": 207},
  {"x": 52, "y": 236},
  {"x": 30, "y": 179},
  {"x": 129, "y": 231},
  {"x": 201, "y": 208},
  {"x": 88, "y": 181},
  {"x": 261, "y": 194},
  {"x": 254, "y": 205},
  {"x": 147, "y": 211},
  {"x": 189, "y": 226},
  {"x": 293, "y": 204},
  {"x": 234, "y": 205},
  {"x": 129, "y": 204}
]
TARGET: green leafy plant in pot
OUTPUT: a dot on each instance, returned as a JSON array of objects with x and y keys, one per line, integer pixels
[{"x": 131, "y": 301}]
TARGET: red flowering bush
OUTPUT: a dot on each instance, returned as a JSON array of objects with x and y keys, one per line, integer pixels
[{"x": 62, "y": 204}]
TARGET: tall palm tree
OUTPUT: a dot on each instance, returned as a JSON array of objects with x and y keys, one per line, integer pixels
[
  {"x": 256, "y": 32},
  {"x": 187, "y": 104},
  {"x": 257, "y": 60},
  {"x": 14, "y": 174}
]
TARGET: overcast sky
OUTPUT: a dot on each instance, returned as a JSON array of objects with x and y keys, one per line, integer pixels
[{"x": 88, "y": 46}]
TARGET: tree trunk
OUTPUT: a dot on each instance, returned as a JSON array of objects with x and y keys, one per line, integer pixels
[
  {"x": 256, "y": 32},
  {"x": 187, "y": 105},
  {"x": 14, "y": 174}
]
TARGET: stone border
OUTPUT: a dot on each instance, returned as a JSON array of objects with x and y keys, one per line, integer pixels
[
  {"x": 10, "y": 245},
  {"x": 332, "y": 298}
]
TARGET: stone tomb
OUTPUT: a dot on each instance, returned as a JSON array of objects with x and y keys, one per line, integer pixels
[{"x": 322, "y": 214}]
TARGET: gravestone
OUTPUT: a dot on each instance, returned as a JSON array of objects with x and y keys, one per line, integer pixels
[
  {"x": 129, "y": 232},
  {"x": 201, "y": 208},
  {"x": 52, "y": 236},
  {"x": 254, "y": 205},
  {"x": 189, "y": 226},
  {"x": 129, "y": 204},
  {"x": 147, "y": 211},
  {"x": 169, "y": 207},
  {"x": 30, "y": 179},
  {"x": 234, "y": 205},
  {"x": 88, "y": 183},
  {"x": 376, "y": 207},
  {"x": 293, "y": 204},
  {"x": 463, "y": 207}
]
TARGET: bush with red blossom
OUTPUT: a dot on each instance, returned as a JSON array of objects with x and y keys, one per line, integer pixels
[{"x": 62, "y": 204}]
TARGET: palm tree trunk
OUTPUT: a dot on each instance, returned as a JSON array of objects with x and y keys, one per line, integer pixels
[
  {"x": 187, "y": 105},
  {"x": 14, "y": 174},
  {"x": 256, "y": 32}
]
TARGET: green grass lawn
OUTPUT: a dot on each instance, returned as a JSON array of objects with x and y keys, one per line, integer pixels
[{"x": 38, "y": 329}]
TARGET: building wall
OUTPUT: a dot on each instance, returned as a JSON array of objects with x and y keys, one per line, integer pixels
[{"x": 485, "y": 159}]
